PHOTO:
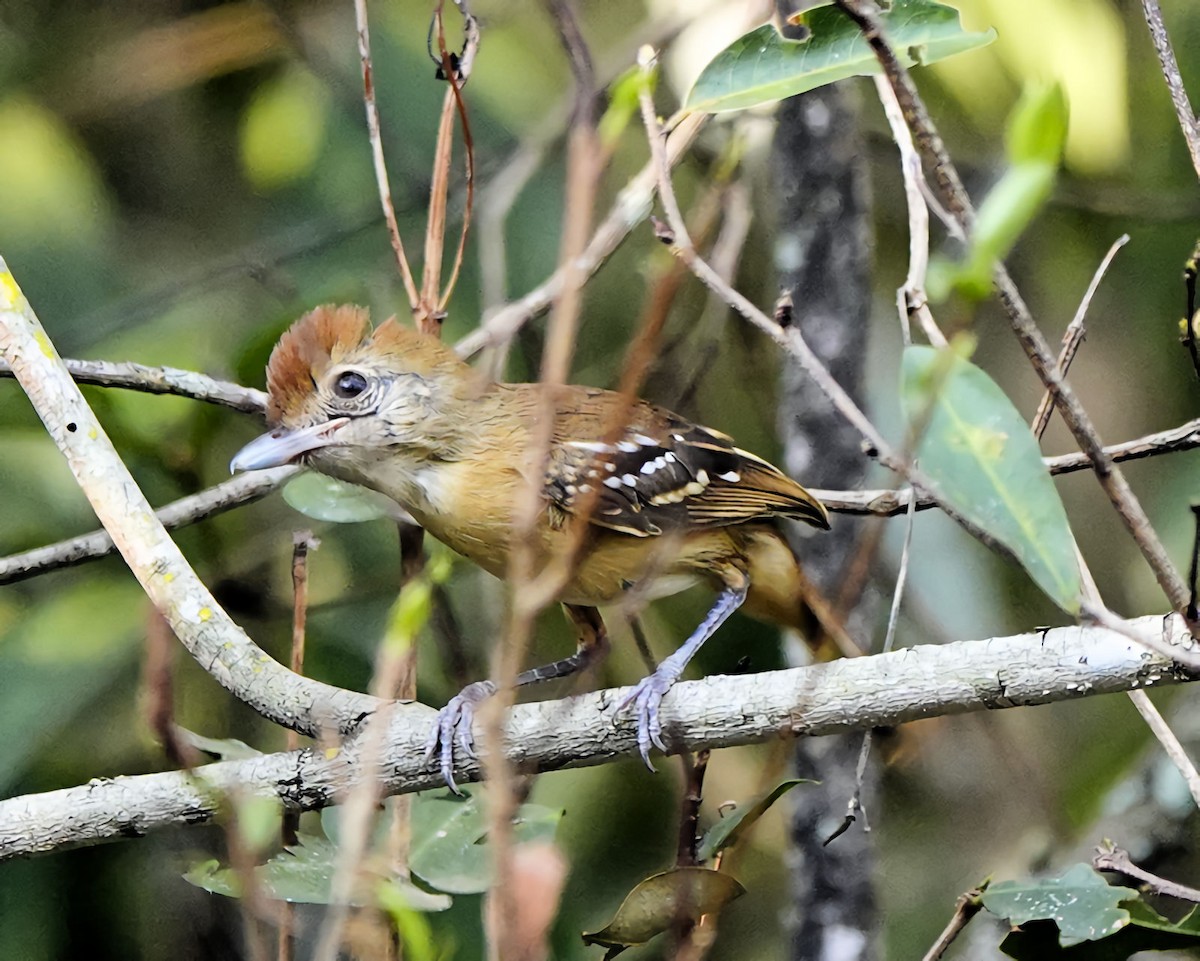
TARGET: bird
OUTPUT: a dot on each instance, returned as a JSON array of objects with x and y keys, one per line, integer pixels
[{"x": 663, "y": 502}]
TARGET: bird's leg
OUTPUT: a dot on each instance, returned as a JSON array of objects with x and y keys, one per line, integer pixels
[
  {"x": 648, "y": 694},
  {"x": 454, "y": 725}
]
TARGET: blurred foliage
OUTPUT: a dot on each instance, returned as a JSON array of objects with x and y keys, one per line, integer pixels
[{"x": 179, "y": 180}]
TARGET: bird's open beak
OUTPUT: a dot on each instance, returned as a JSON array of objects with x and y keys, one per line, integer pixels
[{"x": 283, "y": 446}]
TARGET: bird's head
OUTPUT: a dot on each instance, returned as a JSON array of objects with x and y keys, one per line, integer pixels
[{"x": 342, "y": 393}]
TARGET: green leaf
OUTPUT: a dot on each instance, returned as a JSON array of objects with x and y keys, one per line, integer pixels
[
  {"x": 283, "y": 129},
  {"x": 1037, "y": 131},
  {"x": 1146, "y": 931},
  {"x": 1037, "y": 126},
  {"x": 1081, "y": 903},
  {"x": 655, "y": 903},
  {"x": 982, "y": 457},
  {"x": 726, "y": 832},
  {"x": 762, "y": 66},
  {"x": 450, "y": 849},
  {"x": 224, "y": 748},
  {"x": 325, "y": 499},
  {"x": 304, "y": 873}
]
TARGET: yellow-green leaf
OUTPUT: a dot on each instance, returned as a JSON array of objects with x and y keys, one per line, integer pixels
[{"x": 984, "y": 460}]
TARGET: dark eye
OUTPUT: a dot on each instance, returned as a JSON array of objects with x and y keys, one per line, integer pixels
[{"x": 349, "y": 384}]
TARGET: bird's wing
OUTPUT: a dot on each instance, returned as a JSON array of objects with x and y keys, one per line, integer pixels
[{"x": 664, "y": 474}]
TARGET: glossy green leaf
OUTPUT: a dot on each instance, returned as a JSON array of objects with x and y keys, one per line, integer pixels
[
  {"x": 726, "y": 832},
  {"x": 1081, "y": 903},
  {"x": 1146, "y": 931},
  {"x": 303, "y": 874},
  {"x": 762, "y": 66},
  {"x": 655, "y": 904},
  {"x": 325, "y": 499},
  {"x": 979, "y": 452},
  {"x": 450, "y": 849}
]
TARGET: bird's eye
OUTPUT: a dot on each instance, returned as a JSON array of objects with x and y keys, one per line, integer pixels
[{"x": 349, "y": 384}]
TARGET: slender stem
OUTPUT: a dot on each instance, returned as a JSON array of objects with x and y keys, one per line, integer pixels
[{"x": 1188, "y": 122}]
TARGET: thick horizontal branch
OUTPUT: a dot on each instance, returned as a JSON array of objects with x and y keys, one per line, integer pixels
[
  {"x": 162, "y": 380},
  {"x": 919, "y": 682}
]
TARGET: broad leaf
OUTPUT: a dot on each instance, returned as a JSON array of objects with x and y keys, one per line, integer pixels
[
  {"x": 304, "y": 873},
  {"x": 655, "y": 904},
  {"x": 1146, "y": 931},
  {"x": 450, "y": 849},
  {"x": 762, "y": 66},
  {"x": 730, "y": 828},
  {"x": 984, "y": 460},
  {"x": 1081, "y": 903}
]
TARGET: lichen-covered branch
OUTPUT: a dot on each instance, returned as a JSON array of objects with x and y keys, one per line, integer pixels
[{"x": 852, "y": 694}]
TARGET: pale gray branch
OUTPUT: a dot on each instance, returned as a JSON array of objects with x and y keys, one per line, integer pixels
[
  {"x": 210, "y": 635},
  {"x": 918, "y": 682}
]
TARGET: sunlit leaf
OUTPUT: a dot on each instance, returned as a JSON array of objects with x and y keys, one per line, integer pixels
[
  {"x": 732, "y": 826},
  {"x": 1081, "y": 903},
  {"x": 658, "y": 901},
  {"x": 450, "y": 849},
  {"x": 763, "y": 66},
  {"x": 983, "y": 459}
]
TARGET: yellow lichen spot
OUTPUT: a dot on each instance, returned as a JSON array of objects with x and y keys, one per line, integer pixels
[
  {"x": 331, "y": 753},
  {"x": 44, "y": 344},
  {"x": 10, "y": 293},
  {"x": 205, "y": 613},
  {"x": 168, "y": 577},
  {"x": 93, "y": 434}
]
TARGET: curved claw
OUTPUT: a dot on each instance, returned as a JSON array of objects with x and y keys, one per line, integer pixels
[
  {"x": 646, "y": 698},
  {"x": 453, "y": 727}
]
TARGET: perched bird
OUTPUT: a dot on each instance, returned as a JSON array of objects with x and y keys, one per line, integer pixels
[{"x": 669, "y": 502}]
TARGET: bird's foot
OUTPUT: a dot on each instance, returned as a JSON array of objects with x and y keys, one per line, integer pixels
[
  {"x": 454, "y": 729},
  {"x": 646, "y": 698}
]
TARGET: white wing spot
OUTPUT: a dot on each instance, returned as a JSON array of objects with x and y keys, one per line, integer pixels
[
  {"x": 627, "y": 447},
  {"x": 731, "y": 475},
  {"x": 591, "y": 445},
  {"x": 645, "y": 440},
  {"x": 629, "y": 479},
  {"x": 613, "y": 482}
]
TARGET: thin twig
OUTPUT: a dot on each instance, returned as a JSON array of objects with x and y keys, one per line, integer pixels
[
  {"x": 1194, "y": 567},
  {"x": 243, "y": 489},
  {"x": 854, "y": 807},
  {"x": 694, "y": 769},
  {"x": 1188, "y": 122},
  {"x": 381, "y": 175},
  {"x": 1166, "y": 737},
  {"x": 628, "y": 211},
  {"x": 967, "y": 906},
  {"x": 1073, "y": 336},
  {"x": 911, "y": 299},
  {"x": 1191, "y": 317},
  {"x": 162, "y": 380},
  {"x": 1159, "y": 643},
  {"x": 1108, "y": 857}
]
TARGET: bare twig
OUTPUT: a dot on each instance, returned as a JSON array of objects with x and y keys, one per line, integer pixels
[
  {"x": 1194, "y": 567},
  {"x": 1108, "y": 857},
  {"x": 1073, "y": 336},
  {"x": 381, "y": 174},
  {"x": 243, "y": 489},
  {"x": 1170, "y": 743},
  {"x": 694, "y": 769},
  {"x": 911, "y": 299},
  {"x": 158, "y": 690},
  {"x": 162, "y": 380},
  {"x": 1191, "y": 317},
  {"x": 628, "y": 211},
  {"x": 967, "y": 906},
  {"x": 1188, "y": 122}
]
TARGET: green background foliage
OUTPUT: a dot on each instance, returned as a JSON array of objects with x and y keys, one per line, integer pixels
[{"x": 179, "y": 181}]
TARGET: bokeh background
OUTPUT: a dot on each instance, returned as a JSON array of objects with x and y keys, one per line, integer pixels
[{"x": 180, "y": 180}]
